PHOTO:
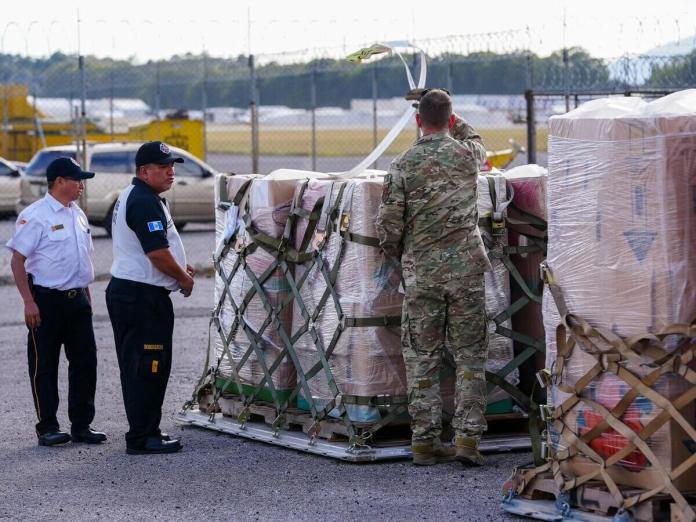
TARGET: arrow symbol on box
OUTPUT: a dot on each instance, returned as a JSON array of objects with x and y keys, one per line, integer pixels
[{"x": 640, "y": 242}]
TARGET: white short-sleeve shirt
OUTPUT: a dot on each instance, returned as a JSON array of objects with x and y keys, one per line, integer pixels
[{"x": 57, "y": 242}]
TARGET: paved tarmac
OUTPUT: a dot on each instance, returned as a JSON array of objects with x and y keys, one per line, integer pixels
[{"x": 215, "y": 477}]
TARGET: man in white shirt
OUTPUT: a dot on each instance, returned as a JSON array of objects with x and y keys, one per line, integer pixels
[{"x": 52, "y": 268}]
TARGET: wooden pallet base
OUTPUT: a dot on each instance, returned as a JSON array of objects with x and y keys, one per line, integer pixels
[
  {"x": 593, "y": 498},
  {"x": 331, "y": 429}
]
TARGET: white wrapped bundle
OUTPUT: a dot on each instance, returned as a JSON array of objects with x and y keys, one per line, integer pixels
[
  {"x": 622, "y": 220},
  {"x": 367, "y": 360},
  {"x": 492, "y": 197}
]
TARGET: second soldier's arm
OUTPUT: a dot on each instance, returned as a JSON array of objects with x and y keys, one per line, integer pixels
[
  {"x": 467, "y": 136},
  {"x": 392, "y": 210}
]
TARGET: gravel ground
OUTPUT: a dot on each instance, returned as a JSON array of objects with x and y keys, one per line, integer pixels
[{"x": 216, "y": 476}]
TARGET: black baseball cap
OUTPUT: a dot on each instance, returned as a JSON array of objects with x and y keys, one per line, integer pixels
[
  {"x": 66, "y": 168},
  {"x": 156, "y": 152}
]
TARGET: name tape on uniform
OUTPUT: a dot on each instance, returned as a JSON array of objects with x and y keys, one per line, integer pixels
[
  {"x": 154, "y": 226},
  {"x": 57, "y": 227}
]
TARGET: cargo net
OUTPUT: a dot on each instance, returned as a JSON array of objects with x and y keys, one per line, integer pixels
[
  {"x": 514, "y": 231},
  {"x": 307, "y": 314},
  {"x": 640, "y": 447}
]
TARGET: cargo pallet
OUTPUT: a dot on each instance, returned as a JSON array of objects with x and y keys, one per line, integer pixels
[
  {"x": 331, "y": 440},
  {"x": 589, "y": 502}
]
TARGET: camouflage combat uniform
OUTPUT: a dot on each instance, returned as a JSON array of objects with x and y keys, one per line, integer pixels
[{"x": 429, "y": 218}]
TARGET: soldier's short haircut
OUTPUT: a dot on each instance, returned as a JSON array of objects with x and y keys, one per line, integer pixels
[{"x": 435, "y": 109}]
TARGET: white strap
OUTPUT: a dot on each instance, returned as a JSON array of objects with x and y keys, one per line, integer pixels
[{"x": 406, "y": 116}]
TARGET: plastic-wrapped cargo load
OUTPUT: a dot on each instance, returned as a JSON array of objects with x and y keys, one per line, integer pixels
[
  {"x": 492, "y": 203},
  {"x": 365, "y": 359},
  {"x": 256, "y": 346},
  {"x": 528, "y": 183},
  {"x": 622, "y": 249}
]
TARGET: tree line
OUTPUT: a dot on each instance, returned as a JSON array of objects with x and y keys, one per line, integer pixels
[{"x": 194, "y": 81}]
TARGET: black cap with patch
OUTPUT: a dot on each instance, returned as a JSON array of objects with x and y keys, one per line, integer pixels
[
  {"x": 156, "y": 152},
  {"x": 66, "y": 168}
]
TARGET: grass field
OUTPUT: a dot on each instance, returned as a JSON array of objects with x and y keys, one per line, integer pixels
[{"x": 342, "y": 142}]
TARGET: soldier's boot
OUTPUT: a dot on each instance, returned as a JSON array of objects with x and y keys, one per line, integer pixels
[
  {"x": 467, "y": 451},
  {"x": 427, "y": 453}
]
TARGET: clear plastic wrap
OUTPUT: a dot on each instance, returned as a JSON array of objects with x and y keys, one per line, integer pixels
[
  {"x": 622, "y": 220},
  {"x": 269, "y": 202},
  {"x": 365, "y": 361},
  {"x": 493, "y": 197},
  {"x": 528, "y": 183}
]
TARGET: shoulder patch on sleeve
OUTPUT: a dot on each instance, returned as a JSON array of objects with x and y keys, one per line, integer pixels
[
  {"x": 154, "y": 226},
  {"x": 22, "y": 221}
]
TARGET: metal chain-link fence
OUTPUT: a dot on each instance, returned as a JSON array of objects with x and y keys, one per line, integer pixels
[{"x": 308, "y": 110}]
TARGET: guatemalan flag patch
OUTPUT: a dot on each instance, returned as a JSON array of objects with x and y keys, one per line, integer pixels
[{"x": 154, "y": 226}]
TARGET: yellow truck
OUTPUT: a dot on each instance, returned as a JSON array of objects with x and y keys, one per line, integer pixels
[{"x": 25, "y": 129}]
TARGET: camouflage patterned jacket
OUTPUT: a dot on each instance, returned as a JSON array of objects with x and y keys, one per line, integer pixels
[{"x": 429, "y": 215}]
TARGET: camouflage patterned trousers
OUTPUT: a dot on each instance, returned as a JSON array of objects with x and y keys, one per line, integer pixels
[{"x": 438, "y": 318}]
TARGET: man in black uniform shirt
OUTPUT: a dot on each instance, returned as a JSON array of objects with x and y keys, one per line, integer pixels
[{"x": 149, "y": 263}]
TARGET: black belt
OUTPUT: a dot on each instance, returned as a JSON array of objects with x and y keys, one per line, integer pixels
[{"x": 70, "y": 294}]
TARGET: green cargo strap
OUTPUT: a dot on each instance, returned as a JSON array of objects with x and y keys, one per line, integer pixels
[
  {"x": 356, "y": 238},
  {"x": 375, "y": 400},
  {"x": 362, "y": 322}
]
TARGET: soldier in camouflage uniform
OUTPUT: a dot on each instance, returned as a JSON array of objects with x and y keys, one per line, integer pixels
[{"x": 429, "y": 219}]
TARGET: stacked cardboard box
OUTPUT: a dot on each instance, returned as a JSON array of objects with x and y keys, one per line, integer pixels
[
  {"x": 622, "y": 247},
  {"x": 366, "y": 361}
]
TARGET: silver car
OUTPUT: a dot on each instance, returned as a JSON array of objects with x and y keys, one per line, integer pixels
[{"x": 191, "y": 198}]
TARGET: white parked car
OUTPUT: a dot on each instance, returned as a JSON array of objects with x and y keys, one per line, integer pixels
[
  {"x": 9, "y": 187},
  {"x": 191, "y": 198}
]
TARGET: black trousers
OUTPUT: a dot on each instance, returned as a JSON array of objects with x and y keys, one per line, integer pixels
[
  {"x": 142, "y": 318},
  {"x": 66, "y": 319}
]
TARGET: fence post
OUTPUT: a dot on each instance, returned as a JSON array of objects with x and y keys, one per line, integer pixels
[
  {"x": 449, "y": 75},
  {"x": 313, "y": 107},
  {"x": 111, "y": 103},
  {"x": 5, "y": 118},
  {"x": 531, "y": 127},
  {"x": 375, "y": 121},
  {"x": 254, "y": 117},
  {"x": 157, "y": 100},
  {"x": 566, "y": 79},
  {"x": 204, "y": 106},
  {"x": 83, "y": 126}
]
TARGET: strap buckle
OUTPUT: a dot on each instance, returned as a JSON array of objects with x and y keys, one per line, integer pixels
[
  {"x": 547, "y": 412},
  {"x": 544, "y": 377},
  {"x": 319, "y": 239},
  {"x": 345, "y": 222}
]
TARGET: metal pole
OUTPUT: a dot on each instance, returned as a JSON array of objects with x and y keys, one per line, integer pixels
[
  {"x": 254, "y": 117},
  {"x": 375, "y": 121},
  {"x": 111, "y": 104},
  {"x": 313, "y": 104},
  {"x": 157, "y": 100},
  {"x": 5, "y": 118},
  {"x": 83, "y": 126},
  {"x": 566, "y": 79},
  {"x": 449, "y": 76},
  {"x": 531, "y": 127},
  {"x": 204, "y": 106},
  {"x": 35, "y": 117}
]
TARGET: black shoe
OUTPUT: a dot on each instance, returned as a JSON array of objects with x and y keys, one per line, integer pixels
[
  {"x": 155, "y": 445},
  {"x": 54, "y": 438},
  {"x": 89, "y": 436}
]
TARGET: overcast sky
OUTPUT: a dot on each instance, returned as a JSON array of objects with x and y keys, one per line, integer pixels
[{"x": 154, "y": 29}]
